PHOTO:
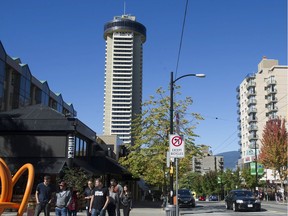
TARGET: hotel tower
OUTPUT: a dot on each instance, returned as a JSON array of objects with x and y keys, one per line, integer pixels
[{"x": 123, "y": 75}]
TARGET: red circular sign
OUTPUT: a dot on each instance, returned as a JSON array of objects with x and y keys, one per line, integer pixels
[{"x": 176, "y": 141}]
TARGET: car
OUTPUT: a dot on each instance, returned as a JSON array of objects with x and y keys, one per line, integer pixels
[
  {"x": 213, "y": 197},
  {"x": 242, "y": 200},
  {"x": 185, "y": 198},
  {"x": 202, "y": 198}
]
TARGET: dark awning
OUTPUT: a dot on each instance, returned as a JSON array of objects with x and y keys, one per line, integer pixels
[
  {"x": 108, "y": 165},
  {"x": 86, "y": 166}
]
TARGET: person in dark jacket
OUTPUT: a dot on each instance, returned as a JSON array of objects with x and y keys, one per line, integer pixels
[
  {"x": 126, "y": 201},
  {"x": 88, "y": 192}
]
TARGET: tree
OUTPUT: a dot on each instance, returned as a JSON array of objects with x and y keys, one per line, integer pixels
[
  {"x": 210, "y": 183},
  {"x": 273, "y": 154},
  {"x": 75, "y": 177},
  {"x": 231, "y": 180},
  {"x": 250, "y": 180},
  {"x": 192, "y": 181},
  {"x": 150, "y": 131}
]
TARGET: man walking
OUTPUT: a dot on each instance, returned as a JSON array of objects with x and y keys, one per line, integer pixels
[
  {"x": 118, "y": 189},
  {"x": 63, "y": 199},
  {"x": 99, "y": 200},
  {"x": 43, "y": 195},
  {"x": 87, "y": 195}
]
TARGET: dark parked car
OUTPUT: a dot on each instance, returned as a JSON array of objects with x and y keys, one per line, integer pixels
[
  {"x": 242, "y": 199},
  {"x": 213, "y": 198},
  {"x": 185, "y": 198}
]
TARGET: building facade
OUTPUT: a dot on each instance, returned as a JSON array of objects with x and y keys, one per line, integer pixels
[
  {"x": 261, "y": 96},
  {"x": 38, "y": 126},
  {"x": 123, "y": 75},
  {"x": 19, "y": 88},
  {"x": 207, "y": 163}
]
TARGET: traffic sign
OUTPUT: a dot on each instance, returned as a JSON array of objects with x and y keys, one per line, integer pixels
[{"x": 176, "y": 146}]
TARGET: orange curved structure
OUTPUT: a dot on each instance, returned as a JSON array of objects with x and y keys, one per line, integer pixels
[{"x": 8, "y": 183}]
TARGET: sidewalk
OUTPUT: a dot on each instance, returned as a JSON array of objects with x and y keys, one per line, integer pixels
[{"x": 141, "y": 208}]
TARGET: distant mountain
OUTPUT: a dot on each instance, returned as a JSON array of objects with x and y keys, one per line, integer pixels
[{"x": 230, "y": 159}]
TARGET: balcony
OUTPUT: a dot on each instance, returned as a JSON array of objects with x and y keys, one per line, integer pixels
[
  {"x": 272, "y": 109},
  {"x": 271, "y": 82},
  {"x": 252, "y": 110},
  {"x": 250, "y": 84},
  {"x": 253, "y": 128},
  {"x": 252, "y": 145},
  {"x": 238, "y": 96},
  {"x": 253, "y": 137},
  {"x": 250, "y": 76},
  {"x": 251, "y": 101},
  {"x": 271, "y": 100},
  {"x": 271, "y": 91},
  {"x": 250, "y": 93},
  {"x": 252, "y": 119}
]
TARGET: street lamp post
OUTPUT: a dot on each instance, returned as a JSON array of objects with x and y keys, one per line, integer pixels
[
  {"x": 172, "y": 82},
  {"x": 256, "y": 168}
]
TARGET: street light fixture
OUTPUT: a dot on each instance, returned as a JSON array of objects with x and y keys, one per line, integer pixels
[{"x": 172, "y": 82}]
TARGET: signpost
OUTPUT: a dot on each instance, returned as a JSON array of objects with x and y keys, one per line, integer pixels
[
  {"x": 176, "y": 146},
  {"x": 176, "y": 150}
]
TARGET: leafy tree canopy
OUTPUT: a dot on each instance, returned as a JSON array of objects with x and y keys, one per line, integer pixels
[
  {"x": 273, "y": 154},
  {"x": 150, "y": 131}
]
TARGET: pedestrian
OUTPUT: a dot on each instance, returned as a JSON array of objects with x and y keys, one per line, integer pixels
[
  {"x": 99, "y": 200},
  {"x": 87, "y": 195},
  {"x": 73, "y": 206},
  {"x": 113, "y": 198},
  {"x": 119, "y": 190},
  {"x": 44, "y": 195},
  {"x": 126, "y": 200},
  {"x": 164, "y": 199},
  {"x": 63, "y": 199}
]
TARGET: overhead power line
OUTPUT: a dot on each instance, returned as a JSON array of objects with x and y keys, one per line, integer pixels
[{"x": 181, "y": 38}]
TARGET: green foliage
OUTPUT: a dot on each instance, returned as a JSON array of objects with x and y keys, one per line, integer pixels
[
  {"x": 250, "y": 180},
  {"x": 150, "y": 131},
  {"x": 192, "y": 181},
  {"x": 231, "y": 180},
  {"x": 210, "y": 183},
  {"x": 76, "y": 178}
]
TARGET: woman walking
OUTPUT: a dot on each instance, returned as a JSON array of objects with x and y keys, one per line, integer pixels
[{"x": 126, "y": 200}]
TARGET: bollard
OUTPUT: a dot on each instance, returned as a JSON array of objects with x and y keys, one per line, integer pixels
[
  {"x": 170, "y": 210},
  {"x": 31, "y": 209}
]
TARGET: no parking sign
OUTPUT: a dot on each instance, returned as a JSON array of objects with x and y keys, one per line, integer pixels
[{"x": 176, "y": 146}]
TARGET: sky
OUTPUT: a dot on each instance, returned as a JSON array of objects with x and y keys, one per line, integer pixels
[{"x": 62, "y": 42}]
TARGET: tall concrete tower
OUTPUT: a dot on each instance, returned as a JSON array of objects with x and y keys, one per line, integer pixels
[{"x": 123, "y": 75}]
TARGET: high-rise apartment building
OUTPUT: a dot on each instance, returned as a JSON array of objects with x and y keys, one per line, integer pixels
[
  {"x": 123, "y": 75},
  {"x": 261, "y": 96}
]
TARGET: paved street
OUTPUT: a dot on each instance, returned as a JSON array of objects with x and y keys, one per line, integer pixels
[
  {"x": 140, "y": 209},
  {"x": 146, "y": 208}
]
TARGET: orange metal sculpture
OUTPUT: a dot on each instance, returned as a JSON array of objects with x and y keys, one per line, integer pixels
[{"x": 8, "y": 183}]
